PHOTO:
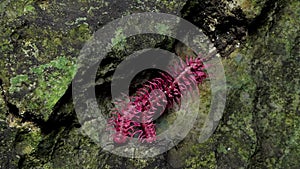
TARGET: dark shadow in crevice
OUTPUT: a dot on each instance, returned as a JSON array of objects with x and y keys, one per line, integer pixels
[
  {"x": 63, "y": 114},
  {"x": 264, "y": 16}
]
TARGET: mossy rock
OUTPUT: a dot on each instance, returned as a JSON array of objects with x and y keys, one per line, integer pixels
[
  {"x": 260, "y": 125},
  {"x": 9, "y": 157},
  {"x": 40, "y": 41},
  {"x": 41, "y": 47}
]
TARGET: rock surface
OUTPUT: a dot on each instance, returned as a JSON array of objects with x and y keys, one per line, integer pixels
[{"x": 259, "y": 41}]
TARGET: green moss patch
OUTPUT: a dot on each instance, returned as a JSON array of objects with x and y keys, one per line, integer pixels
[{"x": 48, "y": 82}]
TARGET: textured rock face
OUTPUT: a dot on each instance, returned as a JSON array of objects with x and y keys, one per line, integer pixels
[
  {"x": 7, "y": 137},
  {"x": 39, "y": 43},
  {"x": 261, "y": 122}
]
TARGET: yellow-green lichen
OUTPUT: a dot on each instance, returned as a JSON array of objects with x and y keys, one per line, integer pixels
[
  {"x": 162, "y": 28},
  {"x": 172, "y": 5},
  {"x": 251, "y": 8},
  {"x": 17, "y": 8},
  {"x": 119, "y": 41},
  {"x": 80, "y": 34},
  {"x": 29, "y": 140},
  {"x": 3, "y": 108},
  {"x": 202, "y": 156},
  {"x": 16, "y": 83},
  {"x": 139, "y": 163}
]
